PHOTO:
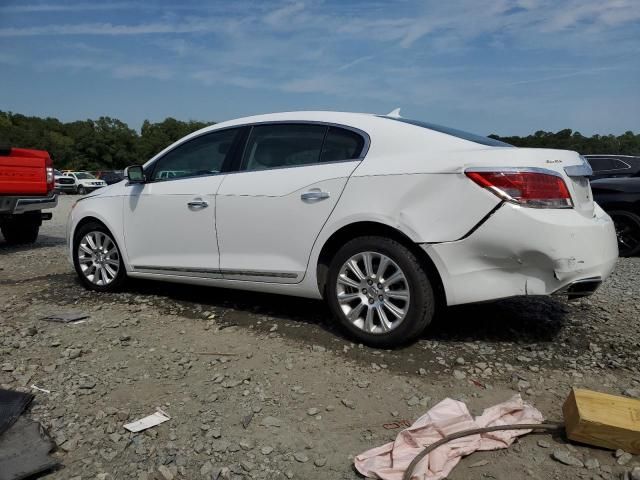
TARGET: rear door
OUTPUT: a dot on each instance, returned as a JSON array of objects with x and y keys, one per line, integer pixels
[
  {"x": 169, "y": 222},
  {"x": 271, "y": 211}
]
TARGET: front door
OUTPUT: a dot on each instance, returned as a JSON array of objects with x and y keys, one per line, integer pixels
[
  {"x": 270, "y": 213},
  {"x": 170, "y": 220}
]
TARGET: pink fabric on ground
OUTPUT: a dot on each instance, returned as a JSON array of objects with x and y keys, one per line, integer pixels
[{"x": 390, "y": 461}]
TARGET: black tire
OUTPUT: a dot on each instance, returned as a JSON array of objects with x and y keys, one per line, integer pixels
[
  {"x": 22, "y": 229},
  {"x": 82, "y": 190},
  {"x": 628, "y": 232},
  {"x": 421, "y": 305},
  {"x": 119, "y": 280}
]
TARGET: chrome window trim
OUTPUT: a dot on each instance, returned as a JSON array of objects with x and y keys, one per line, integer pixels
[
  {"x": 362, "y": 133},
  {"x": 365, "y": 148}
]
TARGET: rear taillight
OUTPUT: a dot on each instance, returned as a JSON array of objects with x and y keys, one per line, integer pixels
[
  {"x": 50, "y": 176},
  {"x": 525, "y": 187}
]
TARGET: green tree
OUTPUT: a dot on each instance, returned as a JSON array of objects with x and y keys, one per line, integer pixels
[{"x": 102, "y": 144}]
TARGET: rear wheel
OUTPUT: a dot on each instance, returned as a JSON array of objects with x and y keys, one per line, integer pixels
[
  {"x": 21, "y": 229},
  {"x": 379, "y": 292},
  {"x": 627, "y": 226},
  {"x": 97, "y": 258}
]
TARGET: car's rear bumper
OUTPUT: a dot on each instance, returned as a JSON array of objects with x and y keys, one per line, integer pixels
[
  {"x": 18, "y": 205},
  {"x": 525, "y": 251}
]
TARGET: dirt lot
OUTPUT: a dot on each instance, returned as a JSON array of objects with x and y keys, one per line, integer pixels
[{"x": 309, "y": 398}]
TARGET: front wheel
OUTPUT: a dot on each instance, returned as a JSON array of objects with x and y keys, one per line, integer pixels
[
  {"x": 379, "y": 291},
  {"x": 82, "y": 190},
  {"x": 97, "y": 258},
  {"x": 627, "y": 226}
]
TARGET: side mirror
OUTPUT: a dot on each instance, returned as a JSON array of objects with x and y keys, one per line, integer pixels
[{"x": 134, "y": 174}]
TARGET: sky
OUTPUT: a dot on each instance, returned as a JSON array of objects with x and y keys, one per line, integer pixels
[{"x": 509, "y": 67}]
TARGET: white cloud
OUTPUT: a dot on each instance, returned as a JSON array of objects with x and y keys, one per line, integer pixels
[
  {"x": 107, "y": 29},
  {"x": 285, "y": 14},
  {"x": 61, "y": 7},
  {"x": 416, "y": 52},
  {"x": 355, "y": 62},
  {"x": 158, "y": 72},
  {"x": 117, "y": 69}
]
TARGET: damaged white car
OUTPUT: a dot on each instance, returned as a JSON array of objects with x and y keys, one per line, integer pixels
[{"x": 383, "y": 217}]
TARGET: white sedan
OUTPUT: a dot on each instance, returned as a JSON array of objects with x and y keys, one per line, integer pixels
[{"x": 383, "y": 217}]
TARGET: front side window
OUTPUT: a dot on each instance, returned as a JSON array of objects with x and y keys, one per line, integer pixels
[{"x": 203, "y": 155}]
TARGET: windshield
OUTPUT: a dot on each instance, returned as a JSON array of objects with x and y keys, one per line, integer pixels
[
  {"x": 84, "y": 176},
  {"x": 471, "y": 137}
]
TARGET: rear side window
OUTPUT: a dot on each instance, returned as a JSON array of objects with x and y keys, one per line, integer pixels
[
  {"x": 600, "y": 164},
  {"x": 203, "y": 155},
  {"x": 290, "y": 145},
  {"x": 341, "y": 144},
  {"x": 283, "y": 145},
  {"x": 471, "y": 137}
]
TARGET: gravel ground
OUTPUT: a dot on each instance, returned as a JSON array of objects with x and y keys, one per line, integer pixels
[{"x": 291, "y": 397}]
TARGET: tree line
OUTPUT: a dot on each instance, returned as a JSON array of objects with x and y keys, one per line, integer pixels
[
  {"x": 109, "y": 144},
  {"x": 102, "y": 144},
  {"x": 626, "y": 144}
]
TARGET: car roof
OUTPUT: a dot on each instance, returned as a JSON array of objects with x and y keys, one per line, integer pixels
[
  {"x": 345, "y": 118},
  {"x": 383, "y": 131}
]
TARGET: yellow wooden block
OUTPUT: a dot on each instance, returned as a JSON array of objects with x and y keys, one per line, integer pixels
[{"x": 603, "y": 420}]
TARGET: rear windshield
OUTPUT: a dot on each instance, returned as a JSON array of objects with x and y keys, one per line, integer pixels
[{"x": 471, "y": 137}]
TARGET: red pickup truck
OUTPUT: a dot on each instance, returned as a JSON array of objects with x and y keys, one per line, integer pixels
[{"x": 26, "y": 188}]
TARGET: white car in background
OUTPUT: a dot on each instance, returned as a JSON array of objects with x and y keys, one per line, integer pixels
[
  {"x": 84, "y": 182},
  {"x": 383, "y": 217}
]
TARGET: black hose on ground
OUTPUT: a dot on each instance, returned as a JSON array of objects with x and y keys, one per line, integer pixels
[{"x": 549, "y": 427}]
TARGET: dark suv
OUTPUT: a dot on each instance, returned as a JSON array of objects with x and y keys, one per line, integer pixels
[
  {"x": 111, "y": 177},
  {"x": 620, "y": 198},
  {"x": 613, "y": 166}
]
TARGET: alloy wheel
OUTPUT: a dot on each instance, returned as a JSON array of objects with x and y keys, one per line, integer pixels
[
  {"x": 628, "y": 233},
  {"x": 98, "y": 258},
  {"x": 373, "y": 292}
]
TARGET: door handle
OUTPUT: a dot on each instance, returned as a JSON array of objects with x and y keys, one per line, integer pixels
[
  {"x": 314, "y": 194},
  {"x": 198, "y": 203}
]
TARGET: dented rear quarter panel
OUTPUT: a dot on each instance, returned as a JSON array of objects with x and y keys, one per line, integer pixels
[
  {"x": 421, "y": 206},
  {"x": 525, "y": 251}
]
